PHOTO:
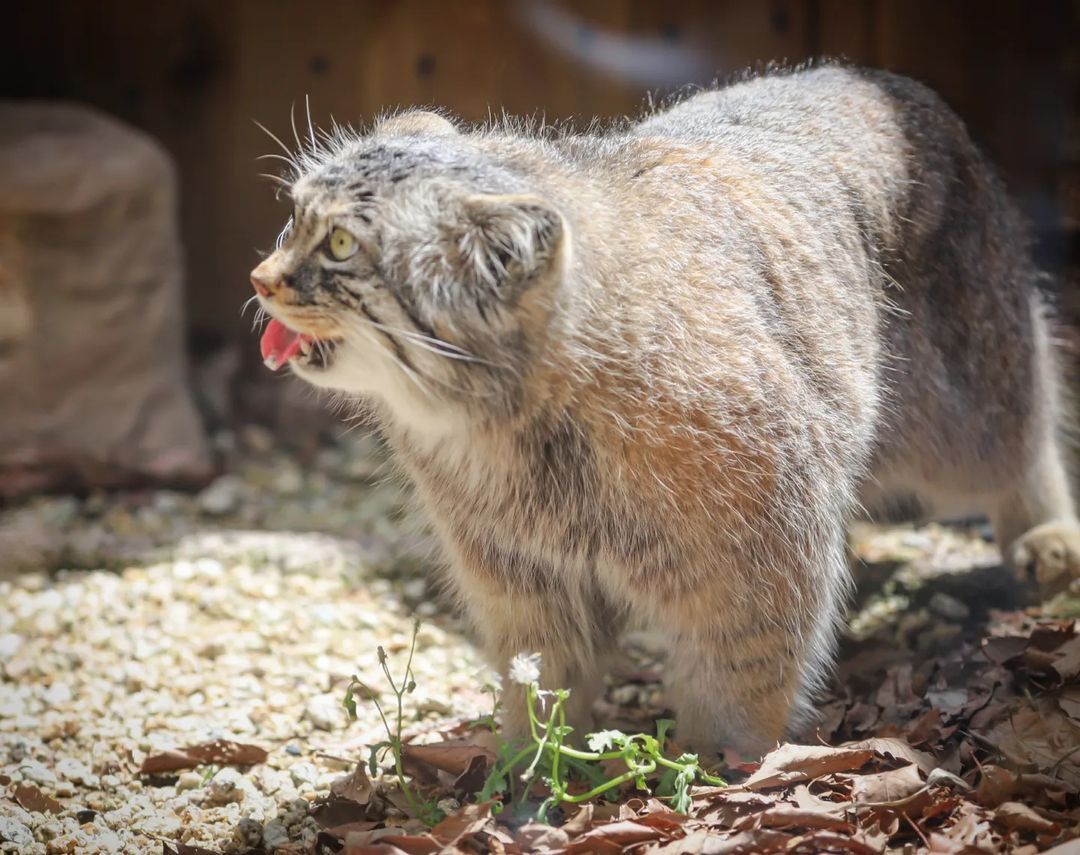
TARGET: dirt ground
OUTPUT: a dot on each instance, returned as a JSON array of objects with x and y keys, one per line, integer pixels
[{"x": 173, "y": 666}]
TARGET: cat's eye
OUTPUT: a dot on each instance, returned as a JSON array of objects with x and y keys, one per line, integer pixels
[{"x": 341, "y": 244}]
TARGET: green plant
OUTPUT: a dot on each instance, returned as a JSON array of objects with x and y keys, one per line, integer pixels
[
  {"x": 570, "y": 775},
  {"x": 553, "y": 762},
  {"x": 424, "y": 809}
]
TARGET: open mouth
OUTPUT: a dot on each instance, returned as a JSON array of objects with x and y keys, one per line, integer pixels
[{"x": 280, "y": 345}]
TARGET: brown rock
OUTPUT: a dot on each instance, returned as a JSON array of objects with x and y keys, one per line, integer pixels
[{"x": 93, "y": 380}]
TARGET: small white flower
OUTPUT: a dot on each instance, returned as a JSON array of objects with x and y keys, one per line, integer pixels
[
  {"x": 525, "y": 668},
  {"x": 605, "y": 740}
]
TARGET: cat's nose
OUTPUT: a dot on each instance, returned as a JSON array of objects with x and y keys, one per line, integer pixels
[{"x": 265, "y": 280}]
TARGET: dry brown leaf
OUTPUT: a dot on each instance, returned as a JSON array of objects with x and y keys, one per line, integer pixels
[
  {"x": 372, "y": 849},
  {"x": 927, "y": 727},
  {"x": 996, "y": 785},
  {"x": 581, "y": 821},
  {"x": 1067, "y": 660},
  {"x": 830, "y": 841},
  {"x": 759, "y": 841},
  {"x": 32, "y": 799},
  {"x": 1042, "y": 738},
  {"x": 1004, "y": 650},
  {"x": 220, "y": 752},
  {"x": 473, "y": 778},
  {"x": 1069, "y": 701},
  {"x": 356, "y": 786},
  {"x": 223, "y": 752},
  {"x": 620, "y": 833},
  {"x": 659, "y": 815},
  {"x": 884, "y": 789},
  {"x": 790, "y": 764},
  {"x": 790, "y": 816},
  {"x": 535, "y": 837},
  {"x": 168, "y": 848},
  {"x": 1069, "y": 847},
  {"x": 467, "y": 820},
  {"x": 1022, "y": 818},
  {"x": 453, "y": 756},
  {"x": 340, "y": 832},
  {"x": 167, "y": 761},
  {"x": 378, "y": 842},
  {"x": 336, "y": 812},
  {"x": 898, "y": 749}
]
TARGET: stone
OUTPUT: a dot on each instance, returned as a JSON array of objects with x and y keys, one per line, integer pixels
[
  {"x": 222, "y": 497},
  {"x": 949, "y": 607},
  {"x": 325, "y": 712},
  {"x": 9, "y": 645},
  {"x": 92, "y": 365},
  {"x": 13, "y": 831},
  {"x": 303, "y": 773},
  {"x": 225, "y": 787},
  {"x": 37, "y": 773},
  {"x": 75, "y": 770}
]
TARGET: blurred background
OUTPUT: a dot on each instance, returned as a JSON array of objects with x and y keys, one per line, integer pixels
[{"x": 192, "y": 76}]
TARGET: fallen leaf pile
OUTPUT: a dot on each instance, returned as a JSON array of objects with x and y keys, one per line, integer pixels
[{"x": 975, "y": 751}]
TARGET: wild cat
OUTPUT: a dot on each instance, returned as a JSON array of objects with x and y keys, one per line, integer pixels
[{"x": 648, "y": 374}]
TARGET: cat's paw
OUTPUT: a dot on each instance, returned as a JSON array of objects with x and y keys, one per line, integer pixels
[{"x": 1050, "y": 554}]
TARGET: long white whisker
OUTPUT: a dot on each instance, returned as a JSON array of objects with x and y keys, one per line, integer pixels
[
  {"x": 292, "y": 121},
  {"x": 434, "y": 345},
  {"x": 284, "y": 233},
  {"x": 275, "y": 156},
  {"x": 310, "y": 127},
  {"x": 291, "y": 157},
  {"x": 275, "y": 178},
  {"x": 254, "y": 298},
  {"x": 408, "y": 372}
]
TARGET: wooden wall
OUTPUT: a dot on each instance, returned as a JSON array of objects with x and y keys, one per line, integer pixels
[{"x": 195, "y": 73}]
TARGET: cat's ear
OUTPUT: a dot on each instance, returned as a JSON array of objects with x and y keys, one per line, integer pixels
[
  {"x": 508, "y": 243},
  {"x": 416, "y": 123}
]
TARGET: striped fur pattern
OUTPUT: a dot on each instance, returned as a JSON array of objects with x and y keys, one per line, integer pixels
[{"x": 647, "y": 374}]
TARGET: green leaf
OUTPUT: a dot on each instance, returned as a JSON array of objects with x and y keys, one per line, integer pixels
[
  {"x": 373, "y": 757},
  {"x": 681, "y": 797},
  {"x": 663, "y": 725},
  {"x": 666, "y": 785}
]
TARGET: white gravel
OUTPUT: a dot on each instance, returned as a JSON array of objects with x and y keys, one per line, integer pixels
[{"x": 228, "y": 627}]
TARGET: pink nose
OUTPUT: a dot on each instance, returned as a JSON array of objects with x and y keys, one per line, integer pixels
[{"x": 262, "y": 284}]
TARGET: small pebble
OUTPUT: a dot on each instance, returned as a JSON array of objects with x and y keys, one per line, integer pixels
[
  {"x": 12, "y": 831},
  {"x": 224, "y": 787},
  {"x": 222, "y": 497},
  {"x": 947, "y": 606},
  {"x": 325, "y": 712},
  {"x": 303, "y": 773}
]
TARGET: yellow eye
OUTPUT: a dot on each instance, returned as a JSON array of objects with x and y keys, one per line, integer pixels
[{"x": 342, "y": 244}]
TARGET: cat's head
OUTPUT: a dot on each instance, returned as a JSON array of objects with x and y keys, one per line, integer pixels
[{"x": 414, "y": 270}]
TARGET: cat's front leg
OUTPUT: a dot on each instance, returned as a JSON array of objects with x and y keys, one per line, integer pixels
[{"x": 535, "y": 615}]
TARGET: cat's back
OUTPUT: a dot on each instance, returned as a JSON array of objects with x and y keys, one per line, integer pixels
[{"x": 830, "y": 107}]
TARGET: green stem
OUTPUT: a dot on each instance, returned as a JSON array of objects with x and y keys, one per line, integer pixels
[
  {"x": 628, "y": 775},
  {"x": 701, "y": 773}
]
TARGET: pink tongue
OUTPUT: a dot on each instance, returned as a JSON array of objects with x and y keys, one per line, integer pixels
[{"x": 279, "y": 344}]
